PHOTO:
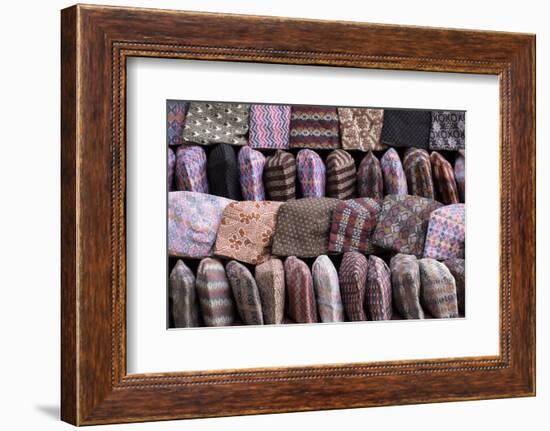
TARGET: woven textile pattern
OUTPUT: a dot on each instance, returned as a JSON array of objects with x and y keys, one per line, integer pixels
[
  {"x": 360, "y": 128},
  {"x": 418, "y": 171},
  {"x": 353, "y": 282},
  {"x": 223, "y": 172},
  {"x": 405, "y": 279},
  {"x": 251, "y": 171},
  {"x": 193, "y": 221},
  {"x": 280, "y": 176},
  {"x": 395, "y": 182},
  {"x": 314, "y": 127},
  {"x": 311, "y": 174},
  {"x": 184, "y": 305},
  {"x": 299, "y": 291},
  {"x": 457, "y": 267},
  {"x": 341, "y": 175},
  {"x": 175, "y": 118},
  {"x": 447, "y": 132},
  {"x": 191, "y": 169},
  {"x": 327, "y": 290},
  {"x": 444, "y": 179},
  {"x": 215, "y": 297},
  {"x": 353, "y": 222},
  {"x": 406, "y": 128},
  {"x": 438, "y": 291},
  {"x": 446, "y": 233},
  {"x": 269, "y": 126},
  {"x": 270, "y": 279},
  {"x": 171, "y": 168},
  {"x": 246, "y": 231},
  {"x": 370, "y": 183},
  {"x": 245, "y": 292},
  {"x": 379, "y": 292},
  {"x": 460, "y": 176}
]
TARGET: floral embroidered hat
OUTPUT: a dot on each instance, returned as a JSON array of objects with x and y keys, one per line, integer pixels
[{"x": 361, "y": 128}]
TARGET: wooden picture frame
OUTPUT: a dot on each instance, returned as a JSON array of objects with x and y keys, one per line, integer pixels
[{"x": 96, "y": 41}]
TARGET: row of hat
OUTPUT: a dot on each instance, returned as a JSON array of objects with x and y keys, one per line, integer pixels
[
  {"x": 253, "y": 176},
  {"x": 362, "y": 289},
  {"x": 320, "y": 127}
]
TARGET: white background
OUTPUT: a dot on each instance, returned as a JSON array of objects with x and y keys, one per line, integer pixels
[{"x": 29, "y": 228}]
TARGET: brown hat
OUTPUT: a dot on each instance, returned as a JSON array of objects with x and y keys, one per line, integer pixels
[
  {"x": 299, "y": 291},
  {"x": 370, "y": 183},
  {"x": 405, "y": 279},
  {"x": 438, "y": 289},
  {"x": 341, "y": 175},
  {"x": 184, "y": 305},
  {"x": 457, "y": 267},
  {"x": 280, "y": 176},
  {"x": 444, "y": 179},
  {"x": 418, "y": 171},
  {"x": 270, "y": 279},
  {"x": 245, "y": 292},
  {"x": 353, "y": 282},
  {"x": 378, "y": 293},
  {"x": 360, "y": 128}
]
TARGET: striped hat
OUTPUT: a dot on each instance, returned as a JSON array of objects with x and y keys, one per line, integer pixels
[
  {"x": 184, "y": 306},
  {"x": 175, "y": 119},
  {"x": 457, "y": 267},
  {"x": 269, "y": 126},
  {"x": 327, "y": 290},
  {"x": 444, "y": 179},
  {"x": 395, "y": 182},
  {"x": 280, "y": 176},
  {"x": 360, "y": 128},
  {"x": 446, "y": 233},
  {"x": 460, "y": 171},
  {"x": 405, "y": 280},
  {"x": 378, "y": 292},
  {"x": 171, "y": 167},
  {"x": 215, "y": 297},
  {"x": 353, "y": 282},
  {"x": 191, "y": 169},
  {"x": 270, "y": 279},
  {"x": 311, "y": 174},
  {"x": 438, "y": 289},
  {"x": 341, "y": 175},
  {"x": 300, "y": 296},
  {"x": 418, "y": 171},
  {"x": 314, "y": 127},
  {"x": 223, "y": 172},
  {"x": 406, "y": 128},
  {"x": 251, "y": 171},
  {"x": 370, "y": 183},
  {"x": 448, "y": 130},
  {"x": 245, "y": 292}
]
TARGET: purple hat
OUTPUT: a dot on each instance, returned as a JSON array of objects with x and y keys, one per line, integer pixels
[
  {"x": 171, "y": 167},
  {"x": 353, "y": 282},
  {"x": 446, "y": 233},
  {"x": 460, "y": 170},
  {"x": 300, "y": 294},
  {"x": 418, "y": 171},
  {"x": 269, "y": 126},
  {"x": 370, "y": 183},
  {"x": 378, "y": 293},
  {"x": 327, "y": 290},
  {"x": 311, "y": 174},
  {"x": 175, "y": 119},
  {"x": 251, "y": 170},
  {"x": 215, "y": 297},
  {"x": 191, "y": 169},
  {"x": 395, "y": 182},
  {"x": 444, "y": 179}
]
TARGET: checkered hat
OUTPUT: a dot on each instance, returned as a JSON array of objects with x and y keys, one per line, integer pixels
[
  {"x": 395, "y": 182},
  {"x": 251, "y": 171},
  {"x": 370, "y": 183},
  {"x": 341, "y": 175},
  {"x": 438, "y": 289},
  {"x": 270, "y": 279},
  {"x": 191, "y": 169},
  {"x": 448, "y": 130},
  {"x": 301, "y": 306},
  {"x": 314, "y": 127},
  {"x": 223, "y": 172},
  {"x": 444, "y": 179},
  {"x": 171, "y": 168},
  {"x": 245, "y": 292},
  {"x": 311, "y": 174},
  {"x": 405, "y": 280},
  {"x": 406, "y": 128},
  {"x": 378, "y": 292},
  {"x": 446, "y": 233},
  {"x": 418, "y": 171},
  {"x": 175, "y": 119},
  {"x": 360, "y": 128},
  {"x": 269, "y": 126},
  {"x": 460, "y": 175},
  {"x": 280, "y": 176},
  {"x": 215, "y": 297},
  {"x": 184, "y": 306},
  {"x": 353, "y": 282},
  {"x": 327, "y": 290},
  {"x": 458, "y": 270}
]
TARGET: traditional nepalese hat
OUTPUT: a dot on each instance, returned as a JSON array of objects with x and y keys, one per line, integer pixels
[
  {"x": 193, "y": 221},
  {"x": 303, "y": 227},
  {"x": 223, "y": 172},
  {"x": 448, "y": 130},
  {"x": 191, "y": 169},
  {"x": 402, "y": 223},
  {"x": 353, "y": 222},
  {"x": 245, "y": 292},
  {"x": 378, "y": 292},
  {"x": 184, "y": 305},
  {"x": 300, "y": 295},
  {"x": 458, "y": 270},
  {"x": 395, "y": 182},
  {"x": 251, "y": 171},
  {"x": 444, "y": 179},
  {"x": 270, "y": 279},
  {"x": 171, "y": 167},
  {"x": 209, "y": 123},
  {"x": 314, "y": 127},
  {"x": 175, "y": 118},
  {"x": 460, "y": 171},
  {"x": 246, "y": 231},
  {"x": 269, "y": 126},
  {"x": 405, "y": 279},
  {"x": 215, "y": 297},
  {"x": 370, "y": 183},
  {"x": 311, "y": 174},
  {"x": 360, "y": 128},
  {"x": 327, "y": 290},
  {"x": 341, "y": 175},
  {"x": 280, "y": 176},
  {"x": 353, "y": 282},
  {"x": 418, "y": 171},
  {"x": 438, "y": 289},
  {"x": 406, "y": 128},
  {"x": 446, "y": 233}
]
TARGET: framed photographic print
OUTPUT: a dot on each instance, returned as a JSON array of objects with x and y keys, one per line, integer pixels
[{"x": 330, "y": 222}]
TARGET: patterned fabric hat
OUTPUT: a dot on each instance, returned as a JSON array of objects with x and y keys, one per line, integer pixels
[
  {"x": 299, "y": 291},
  {"x": 251, "y": 171},
  {"x": 171, "y": 168},
  {"x": 341, "y": 175},
  {"x": 280, "y": 176},
  {"x": 406, "y": 128},
  {"x": 352, "y": 224},
  {"x": 191, "y": 169},
  {"x": 269, "y": 126},
  {"x": 402, "y": 223},
  {"x": 438, "y": 289},
  {"x": 223, "y": 172},
  {"x": 327, "y": 290},
  {"x": 418, "y": 171},
  {"x": 175, "y": 119},
  {"x": 213, "y": 123},
  {"x": 184, "y": 306},
  {"x": 215, "y": 297},
  {"x": 460, "y": 171},
  {"x": 448, "y": 130},
  {"x": 314, "y": 127},
  {"x": 353, "y": 282},
  {"x": 446, "y": 233},
  {"x": 395, "y": 182},
  {"x": 360, "y": 128},
  {"x": 193, "y": 220},
  {"x": 457, "y": 267},
  {"x": 370, "y": 183},
  {"x": 270, "y": 279},
  {"x": 245, "y": 292},
  {"x": 378, "y": 292},
  {"x": 311, "y": 174},
  {"x": 303, "y": 227},
  {"x": 444, "y": 179},
  {"x": 246, "y": 231},
  {"x": 405, "y": 280}
]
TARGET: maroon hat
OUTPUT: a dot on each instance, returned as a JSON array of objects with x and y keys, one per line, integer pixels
[
  {"x": 245, "y": 292},
  {"x": 299, "y": 291},
  {"x": 444, "y": 179},
  {"x": 370, "y": 183},
  {"x": 353, "y": 282},
  {"x": 418, "y": 171},
  {"x": 378, "y": 293}
]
